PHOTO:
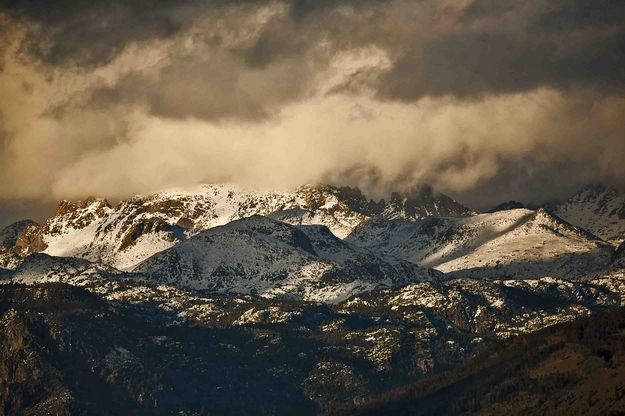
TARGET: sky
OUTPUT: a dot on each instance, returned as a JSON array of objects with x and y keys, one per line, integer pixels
[{"x": 484, "y": 100}]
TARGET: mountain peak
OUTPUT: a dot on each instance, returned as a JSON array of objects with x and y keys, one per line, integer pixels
[{"x": 421, "y": 202}]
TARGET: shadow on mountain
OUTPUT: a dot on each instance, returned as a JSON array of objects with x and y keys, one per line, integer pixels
[
  {"x": 573, "y": 368},
  {"x": 564, "y": 266},
  {"x": 64, "y": 351}
]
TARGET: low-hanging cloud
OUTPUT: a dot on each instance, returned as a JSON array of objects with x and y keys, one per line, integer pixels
[{"x": 485, "y": 101}]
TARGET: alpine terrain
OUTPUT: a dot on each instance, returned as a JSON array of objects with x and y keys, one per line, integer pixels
[{"x": 308, "y": 301}]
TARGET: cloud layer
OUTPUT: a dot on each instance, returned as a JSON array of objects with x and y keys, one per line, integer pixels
[{"x": 485, "y": 100}]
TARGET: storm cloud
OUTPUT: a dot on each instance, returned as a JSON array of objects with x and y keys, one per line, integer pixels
[{"x": 487, "y": 100}]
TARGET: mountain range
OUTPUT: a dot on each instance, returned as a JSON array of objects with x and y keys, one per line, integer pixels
[
  {"x": 362, "y": 296},
  {"x": 124, "y": 235}
]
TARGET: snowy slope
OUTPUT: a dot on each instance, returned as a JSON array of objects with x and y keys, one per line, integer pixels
[
  {"x": 43, "y": 268},
  {"x": 127, "y": 234},
  {"x": 298, "y": 216},
  {"x": 515, "y": 243},
  {"x": 271, "y": 258},
  {"x": 599, "y": 209}
]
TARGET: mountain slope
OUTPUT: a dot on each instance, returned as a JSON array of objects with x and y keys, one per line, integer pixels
[
  {"x": 574, "y": 368},
  {"x": 64, "y": 351},
  {"x": 261, "y": 255},
  {"x": 515, "y": 243},
  {"x": 599, "y": 209},
  {"x": 328, "y": 353}
]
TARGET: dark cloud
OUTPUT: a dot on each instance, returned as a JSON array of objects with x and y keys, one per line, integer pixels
[
  {"x": 88, "y": 33},
  {"x": 490, "y": 46},
  {"x": 560, "y": 45},
  {"x": 16, "y": 210},
  {"x": 579, "y": 14},
  {"x": 278, "y": 39},
  {"x": 488, "y": 99}
]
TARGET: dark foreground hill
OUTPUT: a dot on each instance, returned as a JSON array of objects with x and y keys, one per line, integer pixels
[
  {"x": 576, "y": 368},
  {"x": 64, "y": 351}
]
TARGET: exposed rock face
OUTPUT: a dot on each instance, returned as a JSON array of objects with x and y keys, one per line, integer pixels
[
  {"x": 618, "y": 259},
  {"x": 150, "y": 226},
  {"x": 17, "y": 241},
  {"x": 422, "y": 202},
  {"x": 10, "y": 233},
  {"x": 30, "y": 240},
  {"x": 81, "y": 213}
]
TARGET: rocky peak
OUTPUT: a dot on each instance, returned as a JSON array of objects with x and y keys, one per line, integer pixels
[
  {"x": 416, "y": 203},
  {"x": 422, "y": 202},
  {"x": 94, "y": 204},
  {"x": 333, "y": 198},
  {"x": 18, "y": 240}
]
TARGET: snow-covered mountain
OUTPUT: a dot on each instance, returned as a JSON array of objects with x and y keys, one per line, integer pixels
[
  {"x": 336, "y": 319},
  {"x": 124, "y": 235},
  {"x": 598, "y": 209},
  {"x": 420, "y": 226},
  {"x": 43, "y": 268},
  {"x": 517, "y": 243},
  {"x": 261, "y": 255}
]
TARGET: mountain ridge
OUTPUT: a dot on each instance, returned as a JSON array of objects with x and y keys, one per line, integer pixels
[
  {"x": 512, "y": 243},
  {"x": 127, "y": 233}
]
